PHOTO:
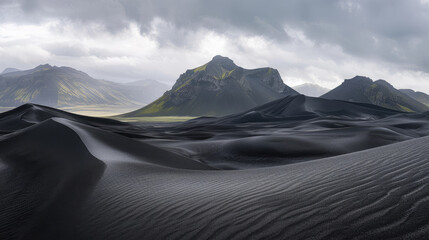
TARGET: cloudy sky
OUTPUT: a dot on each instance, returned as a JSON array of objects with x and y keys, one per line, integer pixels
[{"x": 321, "y": 42}]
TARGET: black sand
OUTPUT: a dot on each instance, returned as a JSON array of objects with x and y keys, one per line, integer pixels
[{"x": 303, "y": 170}]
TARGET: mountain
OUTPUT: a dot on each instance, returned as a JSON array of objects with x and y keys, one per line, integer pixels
[
  {"x": 381, "y": 93},
  {"x": 10, "y": 70},
  {"x": 64, "y": 86},
  {"x": 311, "y": 89},
  {"x": 146, "y": 83},
  {"x": 419, "y": 96},
  {"x": 218, "y": 88},
  {"x": 145, "y": 91}
]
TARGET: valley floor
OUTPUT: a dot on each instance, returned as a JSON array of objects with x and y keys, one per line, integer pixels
[
  {"x": 100, "y": 110},
  {"x": 113, "y": 112},
  {"x": 92, "y": 110}
]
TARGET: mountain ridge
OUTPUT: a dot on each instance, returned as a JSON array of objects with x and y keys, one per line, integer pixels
[
  {"x": 65, "y": 86},
  {"x": 10, "y": 70},
  {"x": 419, "y": 96},
  {"x": 365, "y": 90}
]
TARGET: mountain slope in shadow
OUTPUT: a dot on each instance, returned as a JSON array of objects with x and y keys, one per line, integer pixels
[
  {"x": 419, "y": 96},
  {"x": 364, "y": 90}
]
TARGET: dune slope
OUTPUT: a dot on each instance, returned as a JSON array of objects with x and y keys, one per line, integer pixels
[
  {"x": 66, "y": 179},
  {"x": 376, "y": 193},
  {"x": 289, "y": 130}
]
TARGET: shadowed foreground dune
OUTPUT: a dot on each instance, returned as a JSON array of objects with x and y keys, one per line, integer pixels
[{"x": 67, "y": 177}]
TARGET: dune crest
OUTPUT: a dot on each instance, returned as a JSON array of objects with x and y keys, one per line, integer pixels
[{"x": 64, "y": 176}]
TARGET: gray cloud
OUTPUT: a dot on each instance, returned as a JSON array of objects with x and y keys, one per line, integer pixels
[
  {"x": 66, "y": 49},
  {"x": 358, "y": 35},
  {"x": 391, "y": 30}
]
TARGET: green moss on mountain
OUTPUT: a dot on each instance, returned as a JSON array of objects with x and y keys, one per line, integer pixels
[
  {"x": 156, "y": 106},
  {"x": 183, "y": 85},
  {"x": 405, "y": 109},
  {"x": 226, "y": 74},
  {"x": 201, "y": 68}
]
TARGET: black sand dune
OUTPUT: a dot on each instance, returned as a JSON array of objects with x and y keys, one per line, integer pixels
[
  {"x": 48, "y": 170},
  {"x": 30, "y": 114},
  {"x": 289, "y": 130},
  {"x": 301, "y": 107},
  {"x": 376, "y": 194},
  {"x": 48, "y": 173},
  {"x": 64, "y": 176}
]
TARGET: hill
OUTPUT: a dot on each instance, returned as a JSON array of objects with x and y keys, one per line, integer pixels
[
  {"x": 218, "y": 88},
  {"x": 64, "y": 87},
  {"x": 381, "y": 93},
  {"x": 311, "y": 89}
]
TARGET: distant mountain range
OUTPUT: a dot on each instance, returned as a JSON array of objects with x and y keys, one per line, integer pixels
[
  {"x": 419, "y": 96},
  {"x": 63, "y": 86},
  {"x": 10, "y": 70},
  {"x": 364, "y": 90},
  {"x": 311, "y": 89},
  {"x": 218, "y": 88},
  {"x": 144, "y": 91}
]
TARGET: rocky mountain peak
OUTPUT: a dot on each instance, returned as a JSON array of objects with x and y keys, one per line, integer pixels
[
  {"x": 43, "y": 67},
  {"x": 359, "y": 79},
  {"x": 219, "y": 65}
]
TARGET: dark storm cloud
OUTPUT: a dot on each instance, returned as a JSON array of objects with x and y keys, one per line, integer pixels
[{"x": 388, "y": 30}]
